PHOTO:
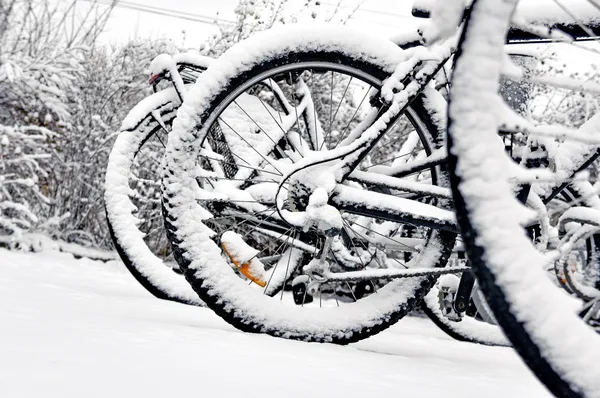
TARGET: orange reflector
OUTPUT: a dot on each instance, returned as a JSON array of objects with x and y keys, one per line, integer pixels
[{"x": 244, "y": 268}]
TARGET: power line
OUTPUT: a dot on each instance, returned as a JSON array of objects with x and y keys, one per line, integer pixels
[
  {"x": 208, "y": 20},
  {"x": 205, "y": 19},
  {"x": 367, "y": 10}
]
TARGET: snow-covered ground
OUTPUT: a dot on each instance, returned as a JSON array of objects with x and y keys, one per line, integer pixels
[{"x": 79, "y": 328}]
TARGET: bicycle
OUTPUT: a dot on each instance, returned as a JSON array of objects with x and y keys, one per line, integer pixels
[
  {"x": 301, "y": 287},
  {"x": 135, "y": 250},
  {"x": 146, "y": 123}
]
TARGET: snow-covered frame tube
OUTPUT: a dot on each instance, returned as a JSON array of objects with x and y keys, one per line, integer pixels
[
  {"x": 200, "y": 257},
  {"x": 147, "y": 268},
  {"x": 559, "y": 348}
]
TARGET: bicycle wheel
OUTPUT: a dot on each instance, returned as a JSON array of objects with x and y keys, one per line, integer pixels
[
  {"x": 139, "y": 238},
  {"x": 579, "y": 267},
  {"x": 536, "y": 317},
  {"x": 226, "y": 106}
]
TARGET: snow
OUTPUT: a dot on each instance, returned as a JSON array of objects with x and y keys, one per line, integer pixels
[
  {"x": 74, "y": 328},
  {"x": 437, "y": 156},
  {"x": 138, "y": 113},
  {"x": 32, "y": 241},
  {"x": 193, "y": 58},
  {"x": 582, "y": 215},
  {"x": 445, "y": 17},
  {"x": 401, "y": 184},
  {"x": 165, "y": 63},
  {"x": 483, "y": 332}
]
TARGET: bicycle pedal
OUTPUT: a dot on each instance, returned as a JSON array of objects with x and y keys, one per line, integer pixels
[{"x": 300, "y": 290}]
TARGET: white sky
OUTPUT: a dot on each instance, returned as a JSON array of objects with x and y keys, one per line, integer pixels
[
  {"x": 383, "y": 17},
  {"x": 380, "y": 17}
]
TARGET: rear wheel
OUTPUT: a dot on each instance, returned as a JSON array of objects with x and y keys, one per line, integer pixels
[{"x": 232, "y": 225}]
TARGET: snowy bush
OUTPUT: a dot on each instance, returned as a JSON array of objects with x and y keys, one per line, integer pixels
[
  {"x": 568, "y": 107},
  {"x": 252, "y": 16},
  {"x": 35, "y": 76},
  {"x": 21, "y": 166},
  {"x": 112, "y": 81}
]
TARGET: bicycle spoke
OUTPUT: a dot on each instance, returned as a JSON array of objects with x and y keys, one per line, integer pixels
[
  {"x": 408, "y": 248},
  {"x": 330, "y": 108},
  {"x": 341, "y": 138},
  {"x": 276, "y": 265},
  {"x": 257, "y": 125},
  {"x": 295, "y": 104},
  {"x": 391, "y": 159},
  {"x": 251, "y": 146},
  {"x": 239, "y": 224},
  {"x": 392, "y": 258},
  {"x": 354, "y": 246},
  {"x": 234, "y": 179},
  {"x": 280, "y": 127},
  {"x": 336, "y": 112},
  {"x": 280, "y": 94}
]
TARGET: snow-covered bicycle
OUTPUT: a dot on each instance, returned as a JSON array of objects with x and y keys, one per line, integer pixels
[
  {"x": 133, "y": 211},
  {"x": 338, "y": 266},
  {"x": 143, "y": 136}
]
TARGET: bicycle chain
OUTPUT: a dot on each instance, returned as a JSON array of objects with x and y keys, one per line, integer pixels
[{"x": 431, "y": 273}]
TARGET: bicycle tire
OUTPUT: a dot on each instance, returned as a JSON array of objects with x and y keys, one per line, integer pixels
[
  {"x": 148, "y": 269},
  {"x": 524, "y": 301}
]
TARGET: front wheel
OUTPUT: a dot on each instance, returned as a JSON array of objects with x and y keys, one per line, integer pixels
[{"x": 538, "y": 318}]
